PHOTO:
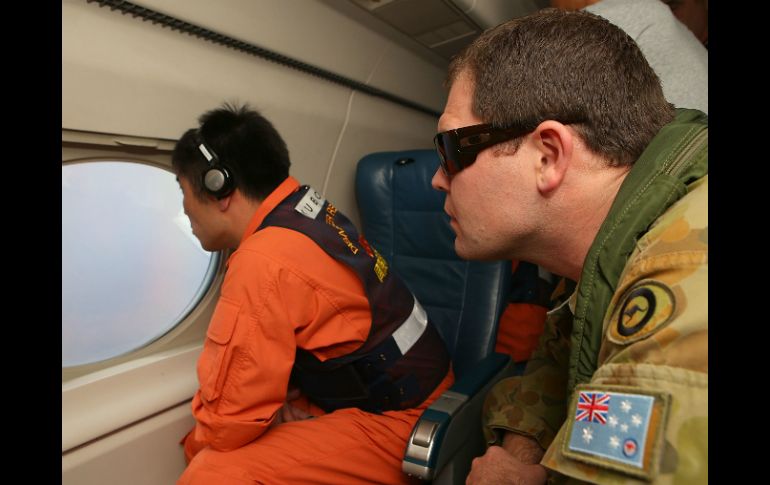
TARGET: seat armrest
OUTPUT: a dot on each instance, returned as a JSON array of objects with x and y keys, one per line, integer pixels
[{"x": 447, "y": 423}]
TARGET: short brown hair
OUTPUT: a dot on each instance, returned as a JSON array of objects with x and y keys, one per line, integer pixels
[{"x": 573, "y": 67}]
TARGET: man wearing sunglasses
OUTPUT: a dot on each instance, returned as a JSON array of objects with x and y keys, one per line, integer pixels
[{"x": 558, "y": 148}]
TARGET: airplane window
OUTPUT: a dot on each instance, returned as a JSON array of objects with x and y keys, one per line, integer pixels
[{"x": 131, "y": 267}]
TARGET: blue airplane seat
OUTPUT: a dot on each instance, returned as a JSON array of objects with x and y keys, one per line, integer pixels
[{"x": 403, "y": 218}]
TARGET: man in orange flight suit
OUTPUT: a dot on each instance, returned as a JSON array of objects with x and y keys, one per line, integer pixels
[{"x": 306, "y": 308}]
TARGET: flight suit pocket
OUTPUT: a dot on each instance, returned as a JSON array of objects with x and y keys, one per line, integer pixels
[{"x": 212, "y": 366}]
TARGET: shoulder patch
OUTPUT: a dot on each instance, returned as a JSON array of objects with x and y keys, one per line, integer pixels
[
  {"x": 617, "y": 428},
  {"x": 645, "y": 308}
]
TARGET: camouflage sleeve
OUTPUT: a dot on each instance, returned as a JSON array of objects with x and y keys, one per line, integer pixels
[
  {"x": 534, "y": 404},
  {"x": 644, "y": 415}
]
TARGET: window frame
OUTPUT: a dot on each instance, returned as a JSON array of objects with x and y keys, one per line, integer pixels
[{"x": 84, "y": 147}]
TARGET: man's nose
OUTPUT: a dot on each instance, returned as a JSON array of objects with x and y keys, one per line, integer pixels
[{"x": 440, "y": 181}]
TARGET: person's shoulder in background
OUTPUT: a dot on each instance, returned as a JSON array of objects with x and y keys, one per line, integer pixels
[{"x": 673, "y": 51}]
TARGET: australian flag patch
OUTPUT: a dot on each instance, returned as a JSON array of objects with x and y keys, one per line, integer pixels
[{"x": 615, "y": 427}]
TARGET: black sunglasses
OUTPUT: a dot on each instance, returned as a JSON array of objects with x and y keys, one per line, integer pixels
[{"x": 459, "y": 148}]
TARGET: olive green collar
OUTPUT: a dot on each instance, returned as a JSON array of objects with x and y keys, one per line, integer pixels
[{"x": 676, "y": 157}]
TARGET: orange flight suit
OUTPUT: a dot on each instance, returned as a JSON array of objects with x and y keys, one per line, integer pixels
[
  {"x": 520, "y": 327},
  {"x": 282, "y": 292}
]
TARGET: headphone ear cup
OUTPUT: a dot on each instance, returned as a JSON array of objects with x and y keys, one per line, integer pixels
[{"x": 217, "y": 181}]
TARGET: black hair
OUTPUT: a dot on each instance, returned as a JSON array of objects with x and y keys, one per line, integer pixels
[{"x": 245, "y": 142}]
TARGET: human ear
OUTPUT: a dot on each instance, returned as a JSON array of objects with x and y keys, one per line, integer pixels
[
  {"x": 224, "y": 202},
  {"x": 554, "y": 144}
]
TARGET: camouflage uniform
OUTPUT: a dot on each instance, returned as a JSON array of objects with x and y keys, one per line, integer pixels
[{"x": 617, "y": 391}]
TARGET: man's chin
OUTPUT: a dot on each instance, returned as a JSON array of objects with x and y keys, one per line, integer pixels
[
  {"x": 464, "y": 252},
  {"x": 474, "y": 253},
  {"x": 206, "y": 245},
  {"x": 212, "y": 247}
]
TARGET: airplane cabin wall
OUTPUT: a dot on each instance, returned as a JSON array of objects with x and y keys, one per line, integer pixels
[{"x": 122, "y": 75}]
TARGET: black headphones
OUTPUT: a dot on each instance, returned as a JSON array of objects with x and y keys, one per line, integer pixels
[{"x": 216, "y": 178}]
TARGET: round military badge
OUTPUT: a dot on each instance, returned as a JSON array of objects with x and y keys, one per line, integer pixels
[
  {"x": 645, "y": 308},
  {"x": 630, "y": 447}
]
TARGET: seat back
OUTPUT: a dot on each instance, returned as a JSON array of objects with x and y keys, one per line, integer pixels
[{"x": 403, "y": 217}]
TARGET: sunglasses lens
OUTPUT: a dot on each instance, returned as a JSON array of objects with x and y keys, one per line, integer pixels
[
  {"x": 459, "y": 148},
  {"x": 449, "y": 167},
  {"x": 438, "y": 140}
]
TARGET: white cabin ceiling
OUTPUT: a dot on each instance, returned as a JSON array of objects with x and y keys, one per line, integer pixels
[{"x": 445, "y": 27}]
